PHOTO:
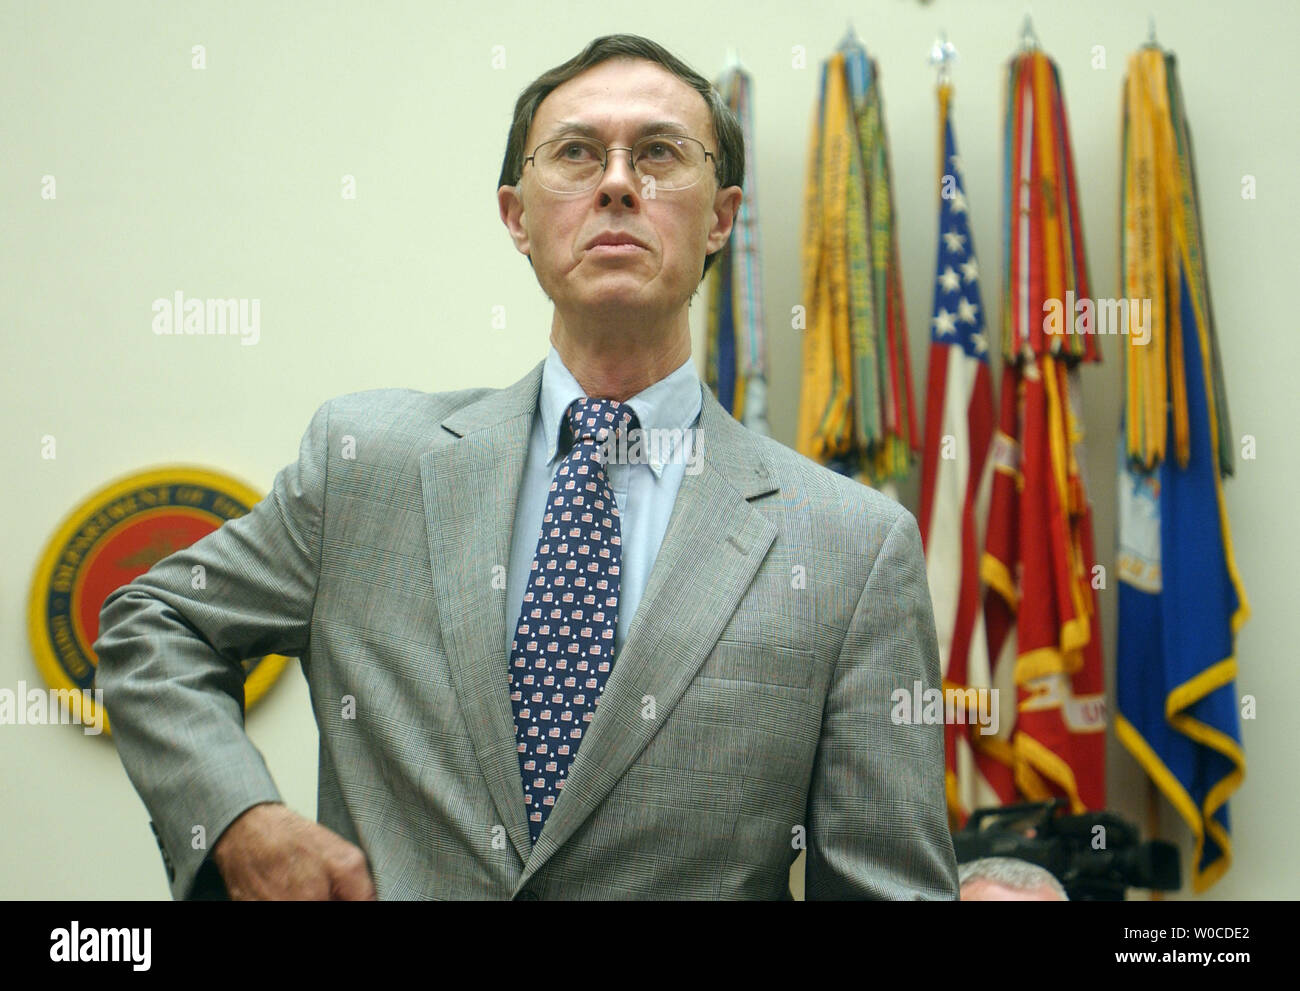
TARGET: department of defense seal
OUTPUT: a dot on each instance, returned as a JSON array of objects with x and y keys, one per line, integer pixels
[{"x": 118, "y": 533}]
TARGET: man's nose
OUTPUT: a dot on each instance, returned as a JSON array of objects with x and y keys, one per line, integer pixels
[{"x": 619, "y": 170}]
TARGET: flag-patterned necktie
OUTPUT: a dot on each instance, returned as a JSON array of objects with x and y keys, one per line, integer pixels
[{"x": 563, "y": 647}]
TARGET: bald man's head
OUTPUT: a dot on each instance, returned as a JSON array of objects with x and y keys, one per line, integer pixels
[
  {"x": 990, "y": 891},
  {"x": 1006, "y": 879}
]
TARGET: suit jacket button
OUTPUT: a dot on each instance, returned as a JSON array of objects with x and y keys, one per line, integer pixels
[{"x": 527, "y": 895}]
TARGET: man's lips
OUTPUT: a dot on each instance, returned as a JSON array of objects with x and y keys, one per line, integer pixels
[
  {"x": 626, "y": 248},
  {"x": 614, "y": 242}
]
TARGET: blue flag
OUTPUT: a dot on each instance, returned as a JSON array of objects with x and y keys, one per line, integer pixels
[{"x": 1180, "y": 605}]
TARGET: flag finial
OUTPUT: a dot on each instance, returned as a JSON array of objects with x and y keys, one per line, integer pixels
[
  {"x": 942, "y": 56},
  {"x": 1028, "y": 38}
]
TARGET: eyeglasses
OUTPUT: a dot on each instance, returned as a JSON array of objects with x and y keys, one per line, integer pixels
[{"x": 575, "y": 165}]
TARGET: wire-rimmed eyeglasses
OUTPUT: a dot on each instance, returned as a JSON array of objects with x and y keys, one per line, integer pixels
[{"x": 575, "y": 165}]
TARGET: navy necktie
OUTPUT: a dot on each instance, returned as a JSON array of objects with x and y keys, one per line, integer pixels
[{"x": 563, "y": 647}]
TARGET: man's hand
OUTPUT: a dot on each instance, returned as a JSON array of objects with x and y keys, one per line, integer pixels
[{"x": 270, "y": 853}]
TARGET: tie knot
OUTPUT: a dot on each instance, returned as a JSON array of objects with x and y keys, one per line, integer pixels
[{"x": 599, "y": 419}]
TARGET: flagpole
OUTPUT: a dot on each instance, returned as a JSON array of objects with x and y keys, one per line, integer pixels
[
  {"x": 942, "y": 56},
  {"x": 1153, "y": 823}
]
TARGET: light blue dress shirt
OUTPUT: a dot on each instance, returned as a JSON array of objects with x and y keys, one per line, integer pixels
[{"x": 645, "y": 491}]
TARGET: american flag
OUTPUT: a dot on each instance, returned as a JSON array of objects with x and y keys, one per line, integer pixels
[{"x": 954, "y": 482}]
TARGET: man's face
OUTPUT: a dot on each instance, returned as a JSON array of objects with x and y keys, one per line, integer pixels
[{"x": 617, "y": 98}]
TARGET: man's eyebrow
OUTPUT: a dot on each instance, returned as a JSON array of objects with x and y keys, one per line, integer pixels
[{"x": 587, "y": 130}]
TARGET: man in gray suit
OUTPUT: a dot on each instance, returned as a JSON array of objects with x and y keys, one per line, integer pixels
[{"x": 768, "y": 607}]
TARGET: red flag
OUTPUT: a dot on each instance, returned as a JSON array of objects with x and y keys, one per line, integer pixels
[{"x": 1042, "y": 622}]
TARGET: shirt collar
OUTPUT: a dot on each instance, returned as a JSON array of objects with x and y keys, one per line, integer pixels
[{"x": 672, "y": 403}]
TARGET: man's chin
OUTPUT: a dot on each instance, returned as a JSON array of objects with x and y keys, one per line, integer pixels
[{"x": 615, "y": 290}]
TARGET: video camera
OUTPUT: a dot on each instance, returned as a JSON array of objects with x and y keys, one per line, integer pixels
[{"x": 1095, "y": 856}]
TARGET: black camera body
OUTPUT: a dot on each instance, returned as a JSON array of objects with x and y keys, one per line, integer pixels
[{"x": 1096, "y": 856}]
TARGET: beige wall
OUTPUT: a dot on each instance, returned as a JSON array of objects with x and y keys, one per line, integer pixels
[{"x": 226, "y": 182}]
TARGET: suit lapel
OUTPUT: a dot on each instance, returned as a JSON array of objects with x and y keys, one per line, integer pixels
[
  {"x": 712, "y": 549},
  {"x": 471, "y": 486}
]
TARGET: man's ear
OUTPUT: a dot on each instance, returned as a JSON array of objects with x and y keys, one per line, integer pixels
[
  {"x": 511, "y": 207},
  {"x": 726, "y": 204}
]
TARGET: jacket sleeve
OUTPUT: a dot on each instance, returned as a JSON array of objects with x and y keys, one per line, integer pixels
[
  {"x": 169, "y": 654},
  {"x": 877, "y": 817}
]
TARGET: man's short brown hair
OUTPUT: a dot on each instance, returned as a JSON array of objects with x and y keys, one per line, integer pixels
[{"x": 729, "y": 159}]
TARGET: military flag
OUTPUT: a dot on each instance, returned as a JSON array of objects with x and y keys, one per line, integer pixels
[
  {"x": 856, "y": 410},
  {"x": 1041, "y": 609},
  {"x": 736, "y": 347},
  {"x": 1181, "y": 601}
]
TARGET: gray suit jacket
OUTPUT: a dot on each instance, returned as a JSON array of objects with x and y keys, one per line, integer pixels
[{"x": 746, "y": 717}]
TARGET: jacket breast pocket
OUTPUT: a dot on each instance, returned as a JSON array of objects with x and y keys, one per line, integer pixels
[{"x": 764, "y": 665}]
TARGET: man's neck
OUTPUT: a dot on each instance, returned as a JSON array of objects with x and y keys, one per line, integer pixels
[{"x": 617, "y": 362}]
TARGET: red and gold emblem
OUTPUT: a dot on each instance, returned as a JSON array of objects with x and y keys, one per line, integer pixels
[{"x": 117, "y": 534}]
